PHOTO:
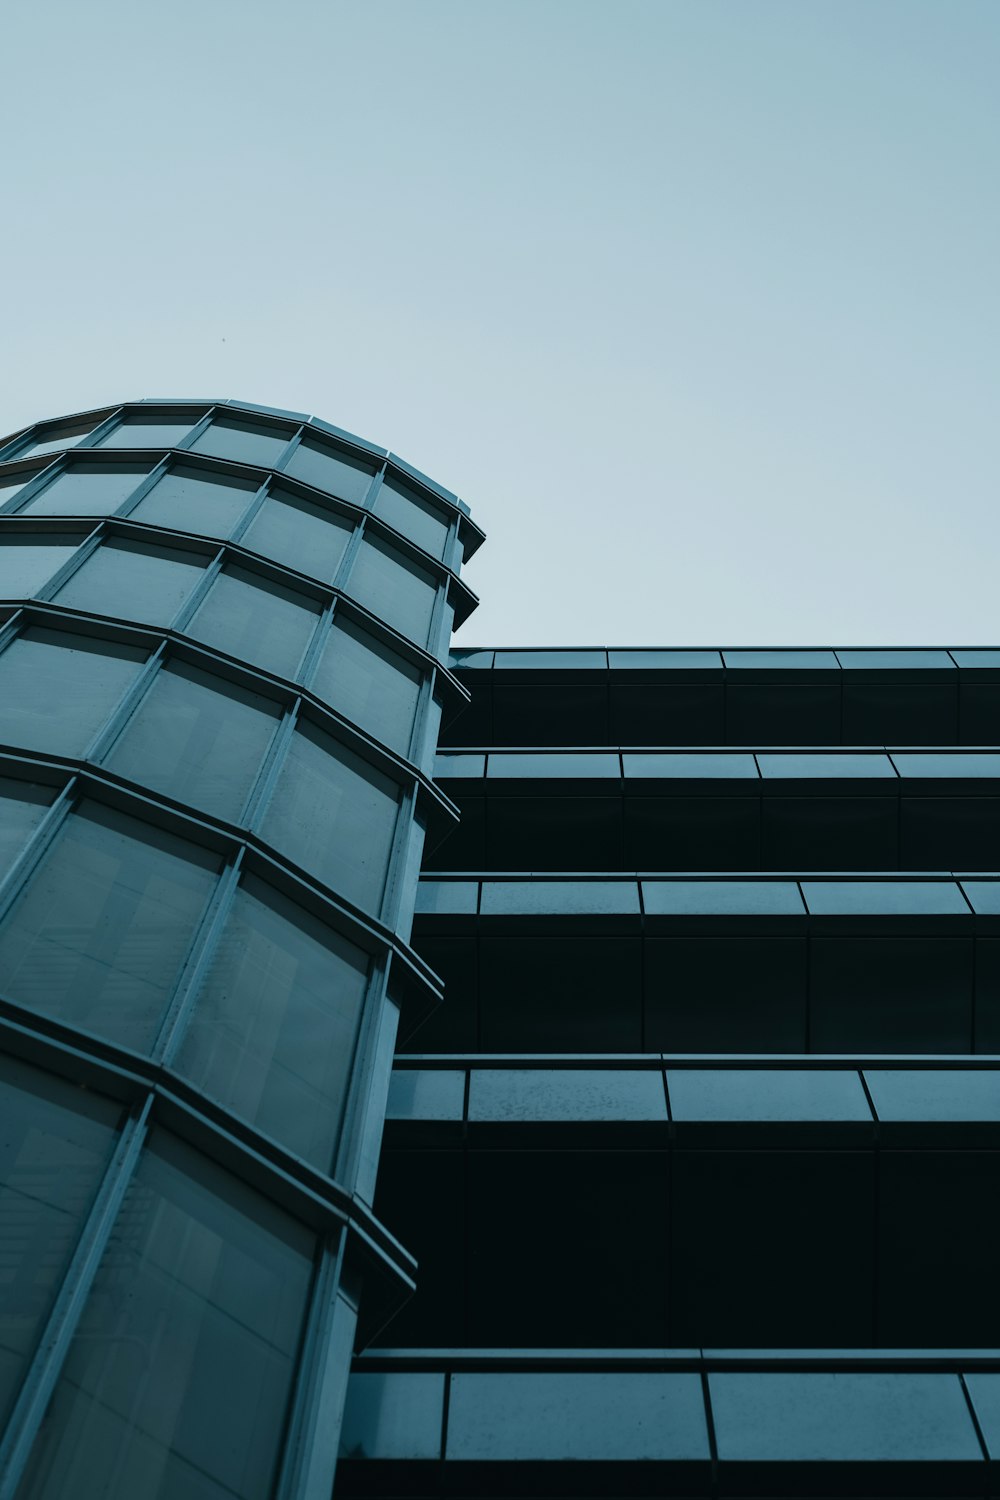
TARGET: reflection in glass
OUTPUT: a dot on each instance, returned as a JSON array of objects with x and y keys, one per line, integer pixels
[
  {"x": 255, "y": 620},
  {"x": 331, "y": 469},
  {"x": 369, "y": 684},
  {"x": 22, "y": 807},
  {"x": 28, "y": 561},
  {"x": 299, "y": 534},
  {"x": 86, "y": 491},
  {"x": 243, "y": 441},
  {"x": 54, "y": 1146},
  {"x": 197, "y": 738},
  {"x": 399, "y": 593},
  {"x": 413, "y": 515},
  {"x": 187, "y": 500},
  {"x": 133, "y": 581},
  {"x": 178, "y": 1379},
  {"x": 99, "y": 934},
  {"x": 58, "y": 688},
  {"x": 273, "y": 1032},
  {"x": 334, "y": 815}
]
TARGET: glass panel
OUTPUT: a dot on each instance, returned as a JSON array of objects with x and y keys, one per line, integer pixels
[
  {"x": 976, "y": 658},
  {"x": 11, "y": 486},
  {"x": 935, "y": 1093},
  {"x": 99, "y": 935},
  {"x": 766, "y": 1094},
  {"x": 673, "y": 660},
  {"x": 895, "y": 660},
  {"x": 133, "y": 581},
  {"x": 426, "y": 1094},
  {"x": 273, "y": 1033},
  {"x": 27, "y": 562},
  {"x": 448, "y": 897},
  {"x": 833, "y": 766},
  {"x": 51, "y": 439},
  {"x": 459, "y": 767},
  {"x": 696, "y": 767},
  {"x": 877, "y": 898},
  {"x": 504, "y": 766},
  {"x": 57, "y": 688},
  {"x": 783, "y": 660},
  {"x": 197, "y": 738},
  {"x": 510, "y": 1094},
  {"x": 256, "y": 621},
  {"x": 721, "y": 897},
  {"x": 472, "y": 658},
  {"x": 334, "y": 815},
  {"x": 243, "y": 441},
  {"x": 368, "y": 684},
  {"x": 567, "y": 897},
  {"x": 185, "y": 500},
  {"x": 557, "y": 660},
  {"x": 984, "y": 896},
  {"x": 148, "y": 432},
  {"x": 332, "y": 470},
  {"x": 22, "y": 807},
  {"x": 400, "y": 595},
  {"x": 393, "y": 1415},
  {"x": 299, "y": 534},
  {"x": 86, "y": 491},
  {"x": 940, "y": 764},
  {"x": 177, "y": 1383},
  {"x": 415, "y": 517},
  {"x": 54, "y": 1146}
]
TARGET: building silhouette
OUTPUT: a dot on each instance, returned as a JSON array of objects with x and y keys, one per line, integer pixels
[{"x": 684, "y": 1177}]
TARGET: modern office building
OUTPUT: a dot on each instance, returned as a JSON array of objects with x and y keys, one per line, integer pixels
[{"x": 690, "y": 1150}]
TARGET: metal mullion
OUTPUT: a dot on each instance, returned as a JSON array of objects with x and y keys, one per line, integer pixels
[
  {"x": 436, "y": 628},
  {"x": 57, "y": 462},
  {"x": 371, "y": 1044},
  {"x": 199, "y": 593},
  {"x": 371, "y": 494},
  {"x": 11, "y": 629},
  {"x": 46, "y": 1366},
  {"x": 260, "y": 793},
  {"x": 103, "y": 428},
  {"x": 143, "y": 488},
  {"x": 202, "y": 950},
  {"x": 19, "y": 872},
  {"x": 85, "y": 549},
  {"x": 123, "y": 710},
  {"x": 317, "y": 644},
  {"x": 351, "y": 551},
  {"x": 200, "y": 427},
  {"x": 403, "y": 834},
  {"x": 289, "y": 449},
  {"x": 256, "y": 504},
  {"x": 420, "y": 750}
]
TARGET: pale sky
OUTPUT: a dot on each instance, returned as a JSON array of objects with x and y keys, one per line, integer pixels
[{"x": 696, "y": 302}]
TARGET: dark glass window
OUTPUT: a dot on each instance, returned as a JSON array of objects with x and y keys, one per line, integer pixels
[
  {"x": 334, "y": 815},
  {"x": 413, "y": 515},
  {"x": 57, "y": 688},
  {"x": 299, "y": 534},
  {"x": 27, "y": 561},
  {"x": 189, "y": 500},
  {"x": 256, "y": 621},
  {"x": 100, "y": 932},
  {"x": 402, "y": 595},
  {"x": 86, "y": 491},
  {"x": 274, "y": 1028},
  {"x": 369, "y": 684},
  {"x": 245, "y": 442},
  {"x": 197, "y": 738},
  {"x": 51, "y": 439},
  {"x": 178, "y": 1379},
  {"x": 332, "y": 470},
  {"x": 55, "y": 1141},
  {"x": 133, "y": 581},
  {"x": 147, "y": 432},
  {"x": 22, "y": 807}
]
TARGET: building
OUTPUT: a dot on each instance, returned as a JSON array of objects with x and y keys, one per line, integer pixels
[{"x": 694, "y": 1167}]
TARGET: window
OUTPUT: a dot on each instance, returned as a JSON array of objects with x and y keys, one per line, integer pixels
[
  {"x": 133, "y": 581},
  {"x": 58, "y": 688},
  {"x": 331, "y": 469},
  {"x": 521, "y": 1094},
  {"x": 147, "y": 432},
  {"x": 299, "y": 534},
  {"x": 29, "y": 559},
  {"x": 22, "y": 807},
  {"x": 243, "y": 441},
  {"x": 188, "y": 500},
  {"x": 273, "y": 1032},
  {"x": 198, "y": 739},
  {"x": 384, "y": 582},
  {"x": 255, "y": 620},
  {"x": 86, "y": 490},
  {"x": 369, "y": 684},
  {"x": 100, "y": 932},
  {"x": 413, "y": 515},
  {"x": 52, "y": 439}
]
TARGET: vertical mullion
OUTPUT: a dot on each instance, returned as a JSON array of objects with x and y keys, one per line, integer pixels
[{"x": 202, "y": 949}]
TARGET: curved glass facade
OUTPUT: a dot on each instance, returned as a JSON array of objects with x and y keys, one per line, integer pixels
[{"x": 223, "y": 648}]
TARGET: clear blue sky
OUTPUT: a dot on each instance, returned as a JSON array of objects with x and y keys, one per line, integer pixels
[{"x": 697, "y": 304}]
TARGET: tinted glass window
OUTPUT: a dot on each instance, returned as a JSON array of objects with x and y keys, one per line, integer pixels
[
  {"x": 566, "y": 1094},
  {"x": 273, "y": 1032},
  {"x": 51, "y": 439},
  {"x": 54, "y": 1145},
  {"x": 132, "y": 581},
  {"x": 504, "y": 765},
  {"x": 197, "y": 738},
  {"x": 883, "y": 897},
  {"x": 439, "y": 896},
  {"x": 86, "y": 491},
  {"x": 99, "y": 935},
  {"x": 895, "y": 660},
  {"x": 27, "y": 562},
  {"x": 186, "y": 500},
  {"x": 334, "y": 815},
  {"x": 426, "y": 1094},
  {"x": 766, "y": 1094},
  {"x": 934, "y": 1093},
  {"x": 557, "y": 660},
  {"x": 257, "y": 621},
  {"x": 368, "y": 684},
  {"x": 242, "y": 441},
  {"x": 565, "y": 896},
  {"x": 672, "y": 660},
  {"x": 57, "y": 689},
  {"x": 147, "y": 432},
  {"x": 383, "y": 582},
  {"x": 331, "y": 470},
  {"x": 721, "y": 897},
  {"x": 10, "y": 487},
  {"x": 299, "y": 534},
  {"x": 786, "y": 660},
  {"x": 393, "y": 1415},
  {"x": 947, "y": 765},
  {"x": 825, "y": 765},
  {"x": 22, "y": 807},
  {"x": 413, "y": 515},
  {"x": 178, "y": 1379},
  {"x": 697, "y": 767}
]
